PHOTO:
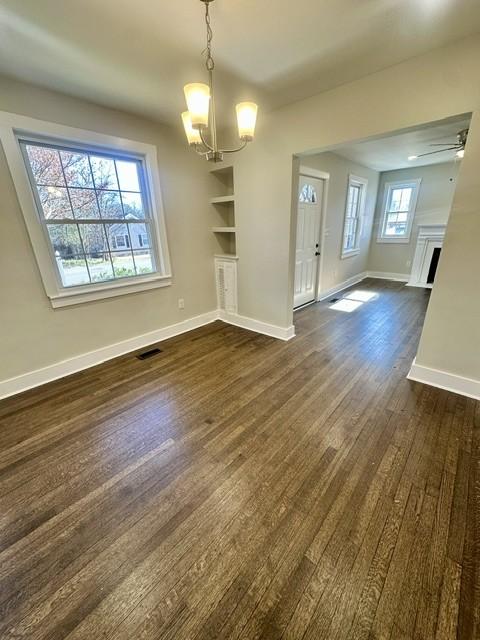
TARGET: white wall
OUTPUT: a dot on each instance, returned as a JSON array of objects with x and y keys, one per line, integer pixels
[
  {"x": 32, "y": 334},
  {"x": 433, "y": 207},
  {"x": 434, "y": 86},
  {"x": 335, "y": 269},
  {"x": 450, "y": 339}
]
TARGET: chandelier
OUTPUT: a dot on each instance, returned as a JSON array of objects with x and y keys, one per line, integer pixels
[{"x": 199, "y": 120}]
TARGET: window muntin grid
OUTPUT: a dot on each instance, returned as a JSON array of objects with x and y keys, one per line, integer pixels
[
  {"x": 85, "y": 198},
  {"x": 352, "y": 216},
  {"x": 398, "y": 208}
]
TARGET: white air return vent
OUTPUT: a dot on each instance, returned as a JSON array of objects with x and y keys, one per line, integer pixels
[{"x": 226, "y": 280}]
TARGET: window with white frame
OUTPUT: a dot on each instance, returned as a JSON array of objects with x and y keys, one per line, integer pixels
[
  {"x": 399, "y": 204},
  {"x": 90, "y": 205},
  {"x": 92, "y": 210},
  {"x": 354, "y": 211}
]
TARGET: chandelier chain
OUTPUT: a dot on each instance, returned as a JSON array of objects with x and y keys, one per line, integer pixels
[{"x": 209, "y": 63}]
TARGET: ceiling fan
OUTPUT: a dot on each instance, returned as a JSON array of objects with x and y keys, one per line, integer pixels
[{"x": 458, "y": 146}]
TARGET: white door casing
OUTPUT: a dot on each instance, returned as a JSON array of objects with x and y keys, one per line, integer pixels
[{"x": 309, "y": 211}]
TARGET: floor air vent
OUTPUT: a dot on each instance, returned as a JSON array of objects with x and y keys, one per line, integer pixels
[{"x": 148, "y": 354}]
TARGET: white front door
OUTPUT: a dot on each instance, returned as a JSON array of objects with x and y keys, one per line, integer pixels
[{"x": 309, "y": 211}]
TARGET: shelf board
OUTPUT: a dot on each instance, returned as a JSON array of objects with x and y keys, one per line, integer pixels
[
  {"x": 224, "y": 229},
  {"x": 230, "y": 256},
  {"x": 222, "y": 199},
  {"x": 223, "y": 170}
]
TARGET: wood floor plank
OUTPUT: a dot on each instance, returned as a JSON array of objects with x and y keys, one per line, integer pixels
[
  {"x": 469, "y": 607},
  {"x": 448, "y": 613},
  {"x": 240, "y": 487}
]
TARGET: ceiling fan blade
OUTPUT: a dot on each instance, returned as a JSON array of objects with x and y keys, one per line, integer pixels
[
  {"x": 443, "y": 144},
  {"x": 430, "y": 153}
]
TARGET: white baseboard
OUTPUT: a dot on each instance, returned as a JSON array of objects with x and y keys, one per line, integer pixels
[
  {"x": 282, "y": 333},
  {"x": 444, "y": 380},
  {"x": 64, "y": 368},
  {"x": 383, "y": 275},
  {"x": 342, "y": 285},
  {"x": 419, "y": 286},
  {"x": 386, "y": 275},
  {"x": 20, "y": 383}
]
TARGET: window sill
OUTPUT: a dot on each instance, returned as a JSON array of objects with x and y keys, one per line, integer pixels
[
  {"x": 382, "y": 240},
  {"x": 350, "y": 254},
  {"x": 89, "y": 294}
]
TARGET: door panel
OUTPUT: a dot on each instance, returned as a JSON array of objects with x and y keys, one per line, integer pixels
[{"x": 309, "y": 209}]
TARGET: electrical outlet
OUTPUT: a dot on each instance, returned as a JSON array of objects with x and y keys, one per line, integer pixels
[
  {"x": 181, "y": 303},
  {"x": 409, "y": 263}
]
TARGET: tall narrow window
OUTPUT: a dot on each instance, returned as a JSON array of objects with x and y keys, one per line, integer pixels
[
  {"x": 354, "y": 211},
  {"x": 400, "y": 201}
]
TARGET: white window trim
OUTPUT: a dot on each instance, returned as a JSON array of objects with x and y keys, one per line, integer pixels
[
  {"x": 405, "y": 239},
  {"x": 363, "y": 183},
  {"x": 13, "y": 125}
]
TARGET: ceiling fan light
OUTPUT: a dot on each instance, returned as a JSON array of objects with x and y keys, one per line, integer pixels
[
  {"x": 197, "y": 96},
  {"x": 460, "y": 153},
  {"x": 246, "y": 120},
  {"x": 193, "y": 135}
]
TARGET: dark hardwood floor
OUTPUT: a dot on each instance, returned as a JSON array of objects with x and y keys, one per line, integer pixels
[{"x": 235, "y": 486}]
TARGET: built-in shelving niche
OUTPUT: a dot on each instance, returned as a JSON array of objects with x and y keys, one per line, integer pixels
[
  {"x": 222, "y": 203},
  {"x": 222, "y": 181}
]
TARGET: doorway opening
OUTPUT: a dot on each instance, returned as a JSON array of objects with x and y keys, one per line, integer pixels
[{"x": 375, "y": 208}]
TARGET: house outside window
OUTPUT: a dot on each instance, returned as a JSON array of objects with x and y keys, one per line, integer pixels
[
  {"x": 92, "y": 206},
  {"x": 143, "y": 240},
  {"x": 398, "y": 211},
  {"x": 354, "y": 212},
  {"x": 121, "y": 241}
]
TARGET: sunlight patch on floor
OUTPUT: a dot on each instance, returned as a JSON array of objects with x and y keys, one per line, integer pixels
[
  {"x": 354, "y": 300},
  {"x": 362, "y": 295},
  {"x": 346, "y": 305}
]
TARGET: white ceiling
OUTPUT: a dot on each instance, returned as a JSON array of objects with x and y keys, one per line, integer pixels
[
  {"x": 137, "y": 55},
  {"x": 392, "y": 152}
]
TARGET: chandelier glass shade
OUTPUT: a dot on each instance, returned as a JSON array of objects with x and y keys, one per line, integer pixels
[{"x": 199, "y": 120}]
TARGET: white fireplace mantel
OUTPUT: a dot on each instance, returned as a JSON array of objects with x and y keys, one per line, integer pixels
[{"x": 429, "y": 237}]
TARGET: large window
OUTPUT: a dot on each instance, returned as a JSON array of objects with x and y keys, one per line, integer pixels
[
  {"x": 354, "y": 211},
  {"x": 399, "y": 206},
  {"x": 92, "y": 211}
]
